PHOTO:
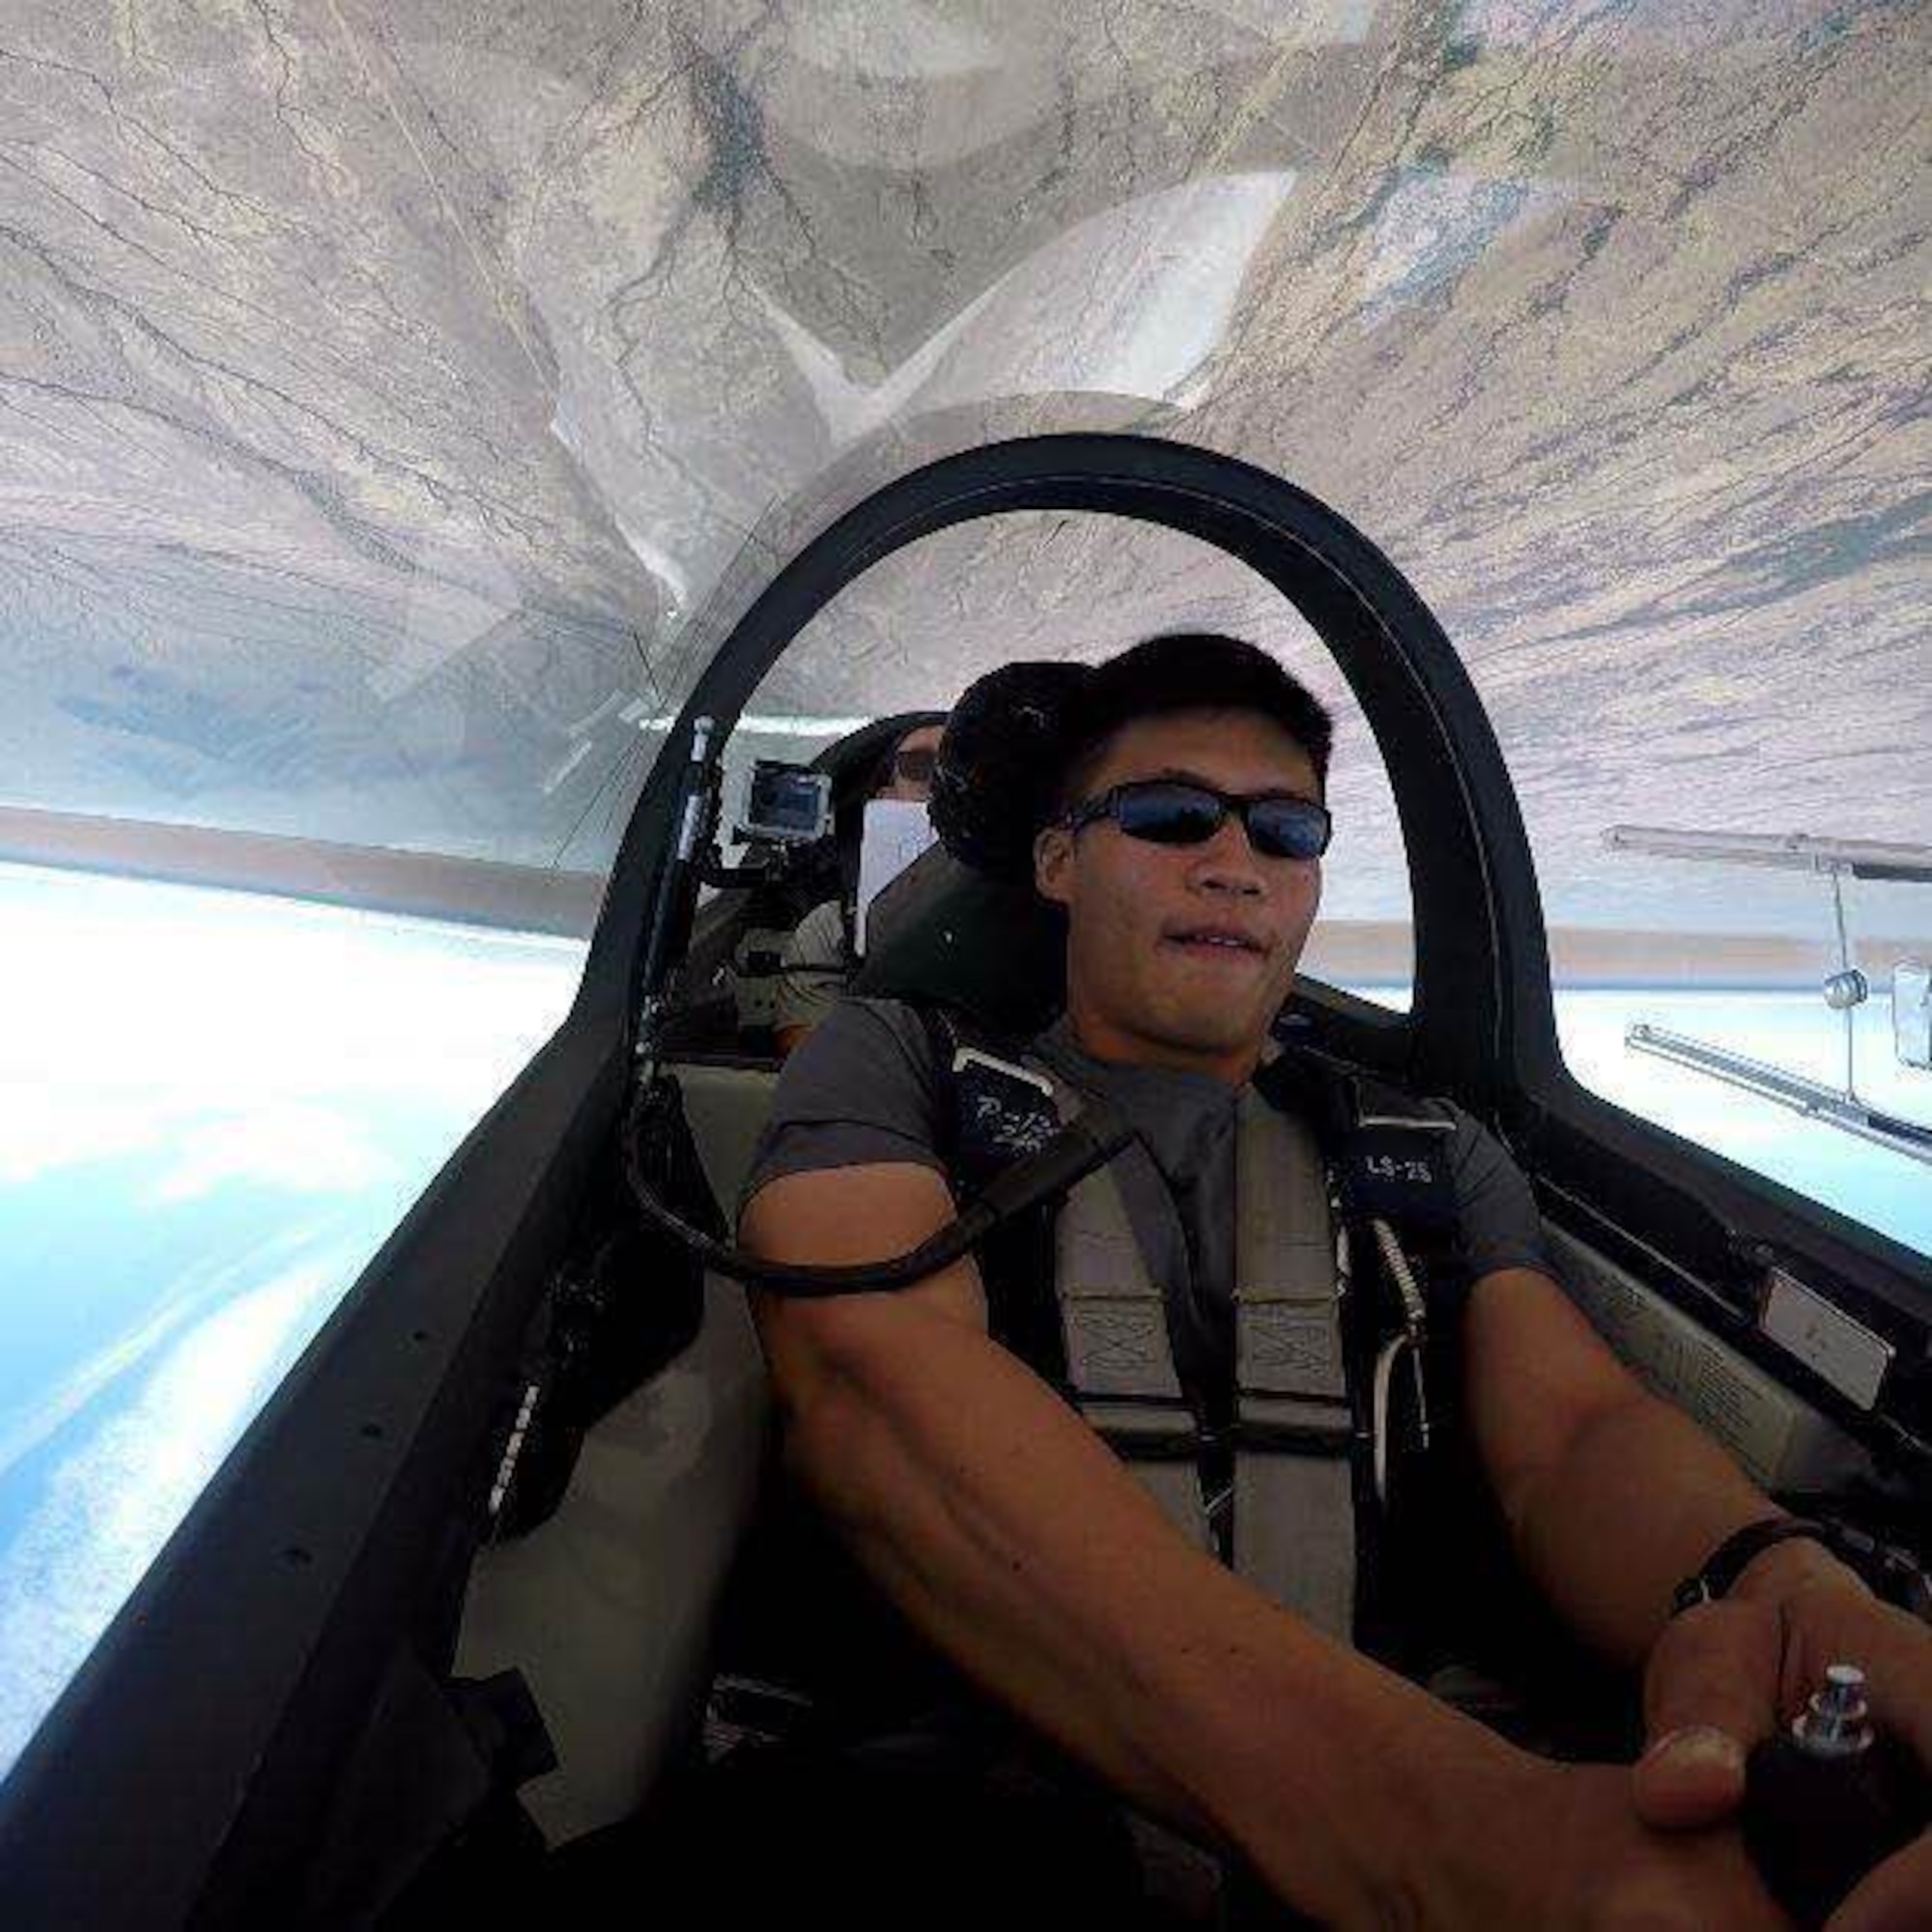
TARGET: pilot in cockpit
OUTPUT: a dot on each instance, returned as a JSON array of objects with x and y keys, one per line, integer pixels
[{"x": 1163, "y": 1483}]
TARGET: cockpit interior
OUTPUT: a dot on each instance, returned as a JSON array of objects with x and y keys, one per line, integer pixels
[{"x": 703, "y": 401}]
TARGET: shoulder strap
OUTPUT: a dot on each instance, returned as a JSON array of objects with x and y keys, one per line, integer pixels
[
  {"x": 1294, "y": 1485},
  {"x": 1292, "y": 1504},
  {"x": 940, "y": 1042},
  {"x": 991, "y": 1110},
  {"x": 994, "y": 1107},
  {"x": 1388, "y": 1148},
  {"x": 1118, "y": 1353},
  {"x": 1071, "y": 1295},
  {"x": 1294, "y": 1488},
  {"x": 1396, "y": 1200}
]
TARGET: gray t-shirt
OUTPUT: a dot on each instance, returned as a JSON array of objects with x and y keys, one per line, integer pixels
[
  {"x": 813, "y": 968},
  {"x": 863, "y": 1090}
]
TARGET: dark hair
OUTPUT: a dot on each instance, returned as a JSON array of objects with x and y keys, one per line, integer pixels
[{"x": 1185, "y": 670}]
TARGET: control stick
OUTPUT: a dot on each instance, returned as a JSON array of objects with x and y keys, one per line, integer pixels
[{"x": 1828, "y": 1798}]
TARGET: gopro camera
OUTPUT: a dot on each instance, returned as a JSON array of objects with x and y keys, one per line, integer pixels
[{"x": 785, "y": 805}]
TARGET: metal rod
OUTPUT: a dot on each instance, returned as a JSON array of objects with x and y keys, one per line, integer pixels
[
  {"x": 1789, "y": 851},
  {"x": 694, "y": 813},
  {"x": 1786, "y": 1089},
  {"x": 1845, "y": 967}
]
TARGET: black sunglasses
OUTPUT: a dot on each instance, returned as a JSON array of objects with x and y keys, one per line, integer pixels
[
  {"x": 1174, "y": 811},
  {"x": 915, "y": 766}
]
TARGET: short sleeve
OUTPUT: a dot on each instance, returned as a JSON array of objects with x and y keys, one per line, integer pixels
[
  {"x": 813, "y": 968},
  {"x": 859, "y": 1091},
  {"x": 1501, "y": 1227}
]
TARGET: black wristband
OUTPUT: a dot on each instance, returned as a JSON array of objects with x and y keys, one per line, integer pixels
[{"x": 1726, "y": 1563}]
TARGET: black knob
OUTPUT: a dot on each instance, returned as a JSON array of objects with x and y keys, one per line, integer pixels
[{"x": 1815, "y": 1825}]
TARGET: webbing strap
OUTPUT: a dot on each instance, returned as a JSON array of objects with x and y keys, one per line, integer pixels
[
  {"x": 1112, "y": 1314},
  {"x": 1177, "y": 1489},
  {"x": 1295, "y": 1534},
  {"x": 1287, "y": 1519},
  {"x": 1293, "y": 1503},
  {"x": 1120, "y": 1359},
  {"x": 1294, "y": 1516},
  {"x": 1288, "y": 1317}
]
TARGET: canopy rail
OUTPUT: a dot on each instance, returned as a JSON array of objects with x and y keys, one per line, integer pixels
[
  {"x": 1786, "y": 851},
  {"x": 1846, "y": 990},
  {"x": 1802, "y": 1096}
]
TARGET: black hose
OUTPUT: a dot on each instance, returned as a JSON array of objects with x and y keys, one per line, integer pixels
[{"x": 1074, "y": 1152}]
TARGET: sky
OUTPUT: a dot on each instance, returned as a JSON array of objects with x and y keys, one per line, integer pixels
[{"x": 214, "y": 1109}]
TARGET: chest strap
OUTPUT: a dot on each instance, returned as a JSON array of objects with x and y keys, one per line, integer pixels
[{"x": 1292, "y": 1497}]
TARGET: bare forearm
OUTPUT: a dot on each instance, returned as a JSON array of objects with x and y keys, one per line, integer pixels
[
  {"x": 1020, "y": 1546},
  {"x": 1640, "y": 1499}
]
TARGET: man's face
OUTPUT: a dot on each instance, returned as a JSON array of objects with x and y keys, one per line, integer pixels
[
  {"x": 921, "y": 743},
  {"x": 1183, "y": 954}
]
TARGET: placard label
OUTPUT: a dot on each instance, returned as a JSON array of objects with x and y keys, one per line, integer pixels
[{"x": 1827, "y": 1340}]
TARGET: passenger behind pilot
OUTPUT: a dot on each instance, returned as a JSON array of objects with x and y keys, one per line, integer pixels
[{"x": 820, "y": 955}]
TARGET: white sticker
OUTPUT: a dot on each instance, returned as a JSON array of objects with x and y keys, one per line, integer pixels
[
  {"x": 897, "y": 832},
  {"x": 1845, "y": 1353}
]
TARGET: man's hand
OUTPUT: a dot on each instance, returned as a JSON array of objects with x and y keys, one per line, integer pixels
[
  {"x": 1723, "y": 1676},
  {"x": 1558, "y": 1844},
  {"x": 1599, "y": 1867}
]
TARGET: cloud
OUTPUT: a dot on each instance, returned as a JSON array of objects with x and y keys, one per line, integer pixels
[
  {"x": 27, "y": 1427},
  {"x": 257, "y": 1037},
  {"x": 108, "y": 1507},
  {"x": 309, "y": 1150},
  {"x": 45, "y": 1128}
]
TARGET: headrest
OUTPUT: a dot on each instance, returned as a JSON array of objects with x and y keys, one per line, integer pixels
[
  {"x": 963, "y": 925},
  {"x": 944, "y": 933},
  {"x": 998, "y": 762}
]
